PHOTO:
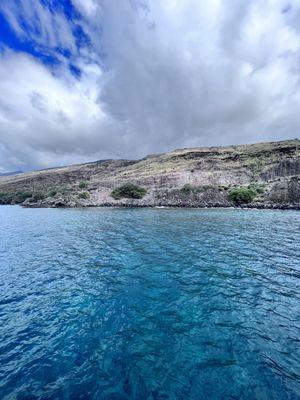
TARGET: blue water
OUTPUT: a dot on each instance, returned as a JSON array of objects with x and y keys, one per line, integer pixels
[{"x": 149, "y": 304}]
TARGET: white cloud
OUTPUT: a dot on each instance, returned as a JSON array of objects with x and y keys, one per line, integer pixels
[
  {"x": 154, "y": 77},
  {"x": 88, "y": 7},
  {"x": 49, "y": 115}
]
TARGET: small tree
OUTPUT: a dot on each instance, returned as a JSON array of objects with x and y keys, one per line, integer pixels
[
  {"x": 84, "y": 195},
  {"x": 6, "y": 198},
  {"x": 53, "y": 192},
  {"x": 187, "y": 189},
  {"x": 242, "y": 195},
  {"x": 128, "y": 190},
  {"x": 36, "y": 196},
  {"x": 21, "y": 196},
  {"x": 82, "y": 185}
]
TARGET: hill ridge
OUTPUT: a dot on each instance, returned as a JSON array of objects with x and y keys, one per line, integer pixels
[{"x": 211, "y": 173}]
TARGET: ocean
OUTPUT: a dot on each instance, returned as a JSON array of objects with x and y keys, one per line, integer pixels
[{"x": 108, "y": 303}]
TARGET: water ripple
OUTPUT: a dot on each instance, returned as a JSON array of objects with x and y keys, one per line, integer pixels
[{"x": 149, "y": 304}]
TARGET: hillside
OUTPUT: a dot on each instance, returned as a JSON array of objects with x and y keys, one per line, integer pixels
[{"x": 265, "y": 175}]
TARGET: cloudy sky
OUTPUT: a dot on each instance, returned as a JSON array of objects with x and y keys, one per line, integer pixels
[{"x": 84, "y": 80}]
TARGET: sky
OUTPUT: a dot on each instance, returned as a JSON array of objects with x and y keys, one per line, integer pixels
[{"x": 84, "y": 80}]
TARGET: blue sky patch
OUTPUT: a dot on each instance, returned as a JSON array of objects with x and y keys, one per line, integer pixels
[{"x": 50, "y": 56}]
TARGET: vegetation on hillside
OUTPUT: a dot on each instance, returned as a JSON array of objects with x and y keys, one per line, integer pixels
[
  {"x": 187, "y": 189},
  {"x": 20, "y": 196},
  {"x": 258, "y": 188},
  {"x": 241, "y": 195},
  {"x": 5, "y": 198},
  {"x": 14, "y": 197},
  {"x": 53, "y": 192},
  {"x": 84, "y": 195},
  {"x": 129, "y": 191},
  {"x": 36, "y": 196},
  {"x": 82, "y": 185}
]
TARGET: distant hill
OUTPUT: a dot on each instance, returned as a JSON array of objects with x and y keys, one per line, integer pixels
[
  {"x": 10, "y": 173},
  {"x": 265, "y": 175}
]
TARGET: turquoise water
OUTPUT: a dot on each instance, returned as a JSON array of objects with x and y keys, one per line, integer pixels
[{"x": 149, "y": 304}]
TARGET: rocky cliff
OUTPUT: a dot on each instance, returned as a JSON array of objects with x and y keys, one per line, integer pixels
[{"x": 197, "y": 177}]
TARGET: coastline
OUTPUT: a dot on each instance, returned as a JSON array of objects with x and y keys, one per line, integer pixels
[
  {"x": 262, "y": 176},
  {"x": 295, "y": 207}
]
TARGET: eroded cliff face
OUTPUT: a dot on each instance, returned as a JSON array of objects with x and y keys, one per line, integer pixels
[{"x": 211, "y": 173}]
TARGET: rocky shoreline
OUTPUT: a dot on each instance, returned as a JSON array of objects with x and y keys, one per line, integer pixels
[
  {"x": 257, "y": 206},
  {"x": 283, "y": 207}
]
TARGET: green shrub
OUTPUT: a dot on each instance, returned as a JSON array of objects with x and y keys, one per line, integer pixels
[
  {"x": 84, "y": 195},
  {"x": 52, "y": 192},
  {"x": 128, "y": 190},
  {"x": 187, "y": 189},
  {"x": 82, "y": 185},
  {"x": 36, "y": 196},
  {"x": 242, "y": 195},
  {"x": 21, "y": 196},
  {"x": 6, "y": 198},
  {"x": 258, "y": 188},
  {"x": 65, "y": 189}
]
